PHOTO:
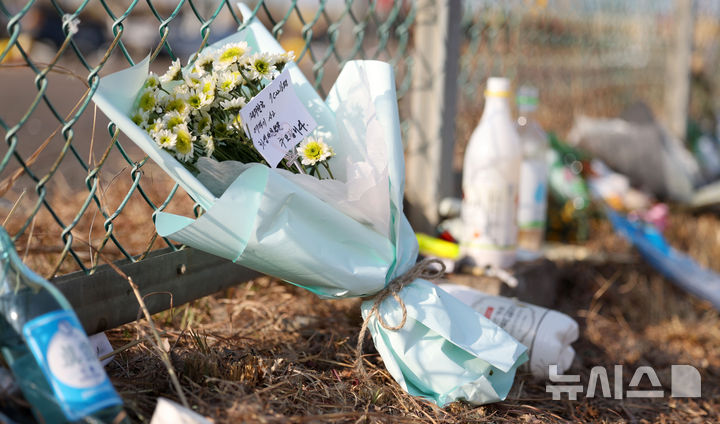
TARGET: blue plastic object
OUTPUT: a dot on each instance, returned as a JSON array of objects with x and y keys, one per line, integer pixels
[{"x": 675, "y": 265}]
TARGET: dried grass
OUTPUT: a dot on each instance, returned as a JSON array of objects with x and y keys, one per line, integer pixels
[
  {"x": 266, "y": 351},
  {"x": 269, "y": 352}
]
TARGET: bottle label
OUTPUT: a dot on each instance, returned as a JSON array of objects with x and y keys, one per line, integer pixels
[
  {"x": 489, "y": 214},
  {"x": 533, "y": 190},
  {"x": 61, "y": 349},
  {"x": 520, "y": 320}
]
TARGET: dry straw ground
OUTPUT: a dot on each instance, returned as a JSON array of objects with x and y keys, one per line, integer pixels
[{"x": 268, "y": 352}]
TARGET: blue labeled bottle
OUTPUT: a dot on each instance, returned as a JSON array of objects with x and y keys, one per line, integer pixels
[{"x": 47, "y": 349}]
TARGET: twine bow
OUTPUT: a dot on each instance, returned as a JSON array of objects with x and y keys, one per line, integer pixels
[{"x": 423, "y": 269}]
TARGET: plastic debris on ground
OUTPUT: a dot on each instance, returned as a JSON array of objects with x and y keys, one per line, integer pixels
[
  {"x": 446, "y": 251},
  {"x": 47, "y": 349},
  {"x": 675, "y": 265},
  {"x": 652, "y": 161},
  {"x": 532, "y": 198},
  {"x": 637, "y": 146},
  {"x": 102, "y": 347},
  {"x": 569, "y": 197},
  {"x": 169, "y": 412},
  {"x": 706, "y": 149},
  {"x": 615, "y": 188}
]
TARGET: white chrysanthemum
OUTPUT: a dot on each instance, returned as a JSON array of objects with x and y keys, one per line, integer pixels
[
  {"x": 140, "y": 117},
  {"x": 165, "y": 139},
  {"x": 231, "y": 53},
  {"x": 198, "y": 100},
  {"x": 147, "y": 101},
  {"x": 173, "y": 73},
  {"x": 152, "y": 81},
  {"x": 193, "y": 79},
  {"x": 208, "y": 143},
  {"x": 204, "y": 62},
  {"x": 228, "y": 80},
  {"x": 174, "y": 119},
  {"x": 236, "y": 103},
  {"x": 284, "y": 58},
  {"x": 181, "y": 90},
  {"x": 183, "y": 143},
  {"x": 154, "y": 127},
  {"x": 261, "y": 65},
  {"x": 234, "y": 122},
  {"x": 207, "y": 87},
  {"x": 161, "y": 97},
  {"x": 314, "y": 150},
  {"x": 177, "y": 102}
]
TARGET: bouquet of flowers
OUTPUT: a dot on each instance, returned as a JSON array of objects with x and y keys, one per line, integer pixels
[
  {"x": 338, "y": 237},
  {"x": 194, "y": 112}
]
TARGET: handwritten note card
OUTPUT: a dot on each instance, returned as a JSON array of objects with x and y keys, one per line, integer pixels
[{"x": 276, "y": 120}]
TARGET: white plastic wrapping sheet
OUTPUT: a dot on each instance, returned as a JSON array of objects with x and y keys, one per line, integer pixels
[{"x": 337, "y": 238}]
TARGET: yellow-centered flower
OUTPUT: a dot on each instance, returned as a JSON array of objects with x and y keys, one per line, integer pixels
[
  {"x": 231, "y": 53},
  {"x": 173, "y": 73},
  {"x": 261, "y": 65},
  {"x": 173, "y": 119},
  {"x": 166, "y": 139},
  {"x": 147, "y": 101},
  {"x": 152, "y": 81},
  {"x": 183, "y": 144},
  {"x": 314, "y": 150}
]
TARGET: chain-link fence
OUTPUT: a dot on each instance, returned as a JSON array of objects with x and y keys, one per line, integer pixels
[
  {"x": 591, "y": 57},
  {"x": 73, "y": 187},
  {"x": 69, "y": 180}
]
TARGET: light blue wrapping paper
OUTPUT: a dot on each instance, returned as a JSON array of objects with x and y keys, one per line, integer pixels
[{"x": 345, "y": 245}]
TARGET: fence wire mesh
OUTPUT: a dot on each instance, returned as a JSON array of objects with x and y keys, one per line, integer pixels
[
  {"x": 591, "y": 57},
  {"x": 69, "y": 180},
  {"x": 72, "y": 191}
]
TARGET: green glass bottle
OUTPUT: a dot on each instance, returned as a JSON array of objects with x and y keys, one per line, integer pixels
[{"x": 47, "y": 349}]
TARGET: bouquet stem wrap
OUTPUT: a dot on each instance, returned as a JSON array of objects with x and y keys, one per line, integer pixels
[
  {"x": 423, "y": 269},
  {"x": 337, "y": 238}
]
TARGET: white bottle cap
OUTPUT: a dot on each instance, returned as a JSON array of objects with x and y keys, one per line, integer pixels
[{"x": 497, "y": 87}]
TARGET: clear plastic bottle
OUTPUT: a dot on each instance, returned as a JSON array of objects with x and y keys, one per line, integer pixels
[
  {"x": 491, "y": 173},
  {"x": 532, "y": 204},
  {"x": 47, "y": 349}
]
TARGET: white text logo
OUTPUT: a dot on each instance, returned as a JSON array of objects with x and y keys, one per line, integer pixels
[{"x": 685, "y": 382}]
